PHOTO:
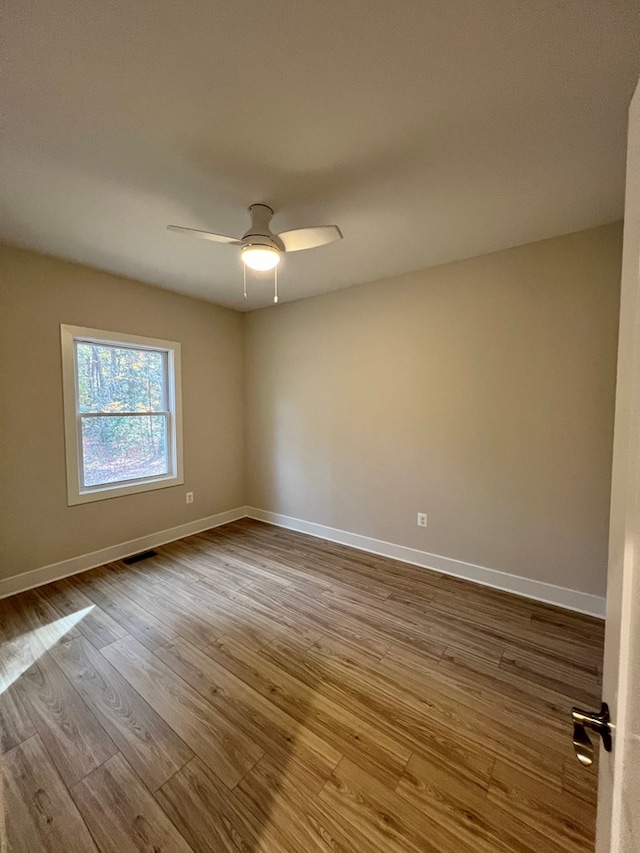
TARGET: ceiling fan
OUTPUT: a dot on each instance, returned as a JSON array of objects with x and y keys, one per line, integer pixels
[{"x": 261, "y": 248}]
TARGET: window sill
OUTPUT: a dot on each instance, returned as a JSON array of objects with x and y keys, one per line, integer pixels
[{"x": 102, "y": 493}]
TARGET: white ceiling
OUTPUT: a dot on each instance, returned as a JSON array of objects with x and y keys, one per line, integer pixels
[{"x": 428, "y": 130}]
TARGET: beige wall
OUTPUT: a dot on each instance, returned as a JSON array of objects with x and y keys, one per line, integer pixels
[
  {"x": 480, "y": 392},
  {"x": 37, "y": 294}
]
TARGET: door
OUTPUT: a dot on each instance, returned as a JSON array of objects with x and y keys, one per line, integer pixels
[{"x": 619, "y": 783}]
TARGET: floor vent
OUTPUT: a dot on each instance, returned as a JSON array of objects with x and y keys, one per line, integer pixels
[{"x": 143, "y": 555}]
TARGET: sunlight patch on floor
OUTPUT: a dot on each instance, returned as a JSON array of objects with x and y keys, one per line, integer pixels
[{"x": 16, "y": 656}]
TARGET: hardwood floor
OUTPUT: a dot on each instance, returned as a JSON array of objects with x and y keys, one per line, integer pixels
[{"x": 253, "y": 689}]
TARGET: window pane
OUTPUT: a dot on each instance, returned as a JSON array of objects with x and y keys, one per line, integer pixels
[
  {"x": 120, "y": 379},
  {"x": 123, "y": 448}
]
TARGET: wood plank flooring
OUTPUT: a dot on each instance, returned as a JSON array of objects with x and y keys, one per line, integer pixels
[{"x": 254, "y": 689}]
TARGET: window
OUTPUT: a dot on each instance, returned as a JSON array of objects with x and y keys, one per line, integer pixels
[{"x": 122, "y": 412}]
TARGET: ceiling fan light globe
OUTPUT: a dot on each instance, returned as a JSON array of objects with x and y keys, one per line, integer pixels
[{"x": 260, "y": 258}]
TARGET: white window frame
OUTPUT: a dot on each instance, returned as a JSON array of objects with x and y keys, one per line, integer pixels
[{"x": 76, "y": 492}]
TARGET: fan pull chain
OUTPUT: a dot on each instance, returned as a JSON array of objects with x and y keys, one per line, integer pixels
[
  {"x": 275, "y": 285},
  {"x": 244, "y": 270}
]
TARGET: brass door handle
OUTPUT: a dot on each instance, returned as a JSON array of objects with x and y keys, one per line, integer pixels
[{"x": 600, "y": 723}]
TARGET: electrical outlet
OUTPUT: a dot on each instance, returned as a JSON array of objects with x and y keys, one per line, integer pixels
[
  {"x": 189, "y": 497},
  {"x": 422, "y": 519}
]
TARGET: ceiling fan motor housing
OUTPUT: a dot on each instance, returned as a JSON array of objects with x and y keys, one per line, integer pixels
[{"x": 259, "y": 232}]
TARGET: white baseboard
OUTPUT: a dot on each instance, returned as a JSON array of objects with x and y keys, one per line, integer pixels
[
  {"x": 57, "y": 571},
  {"x": 572, "y": 599}
]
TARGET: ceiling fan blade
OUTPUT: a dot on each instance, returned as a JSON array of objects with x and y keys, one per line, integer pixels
[
  {"x": 309, "y": 238},
  {"x": 206, "y": 235}
]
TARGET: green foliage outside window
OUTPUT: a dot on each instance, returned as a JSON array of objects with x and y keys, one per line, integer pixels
[{"x": 117, "y": 379}]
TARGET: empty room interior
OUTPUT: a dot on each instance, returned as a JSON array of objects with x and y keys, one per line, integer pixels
[{"x": 309, "y": 325}]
